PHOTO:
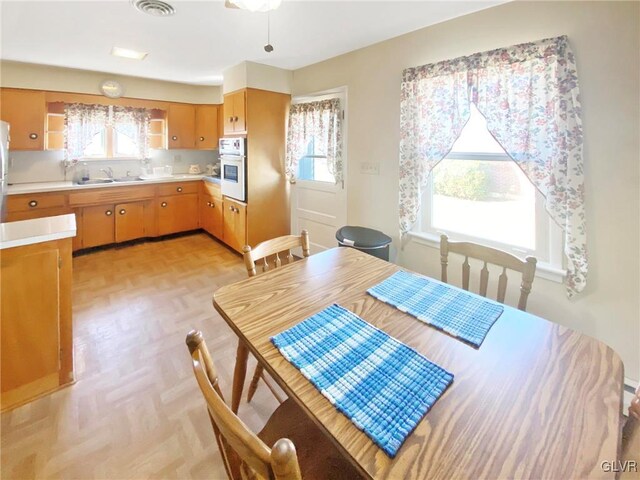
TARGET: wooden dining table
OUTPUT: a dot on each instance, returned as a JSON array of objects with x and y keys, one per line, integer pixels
[{"x": 535, "y": 400}]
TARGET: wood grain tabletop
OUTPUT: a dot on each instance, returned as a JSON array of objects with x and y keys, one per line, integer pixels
[{"x": 536, "y": 400}]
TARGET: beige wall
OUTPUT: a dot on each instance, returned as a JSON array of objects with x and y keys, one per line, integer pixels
[
  {"x": 257, "y": 75},
  {"x": 605, "y": 39},
  {"x": 41, "y": 77}
]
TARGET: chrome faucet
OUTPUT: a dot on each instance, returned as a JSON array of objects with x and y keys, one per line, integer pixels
[{"x": 108, "y": 171}]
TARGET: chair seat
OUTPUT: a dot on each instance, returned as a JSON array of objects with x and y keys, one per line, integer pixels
[{"x": 317, "y": 456}]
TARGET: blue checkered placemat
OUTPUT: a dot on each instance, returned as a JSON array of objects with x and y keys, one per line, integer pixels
[
  {"x": 457, "y": 312},
  {"x": 383, "y": 386}
]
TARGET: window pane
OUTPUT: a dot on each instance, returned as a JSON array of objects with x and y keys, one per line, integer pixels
[
  {"x": 475, "y": 137},
  {"x": 493, "y": 200},
  {"x": 313, "y": 166},
  {"x": 124, "y": 145},
  {"x": 316, "y": 169},
  {"x": 96, "y": 147}
]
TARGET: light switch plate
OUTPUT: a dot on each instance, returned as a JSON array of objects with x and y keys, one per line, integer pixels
[{"x": 370, "y": 168}]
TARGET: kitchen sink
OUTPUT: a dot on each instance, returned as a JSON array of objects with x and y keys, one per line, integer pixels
[
  {"x": 95, "y": 181},
  {"x": 128, "y": 179}
]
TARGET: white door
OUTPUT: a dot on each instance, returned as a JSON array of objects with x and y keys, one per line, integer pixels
[
  {"x": 321, "y": 209},
  {"x": 318, "y": 204}
]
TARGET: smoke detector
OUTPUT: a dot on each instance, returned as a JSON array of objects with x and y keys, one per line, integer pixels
[{"x": 156, "y": 8}]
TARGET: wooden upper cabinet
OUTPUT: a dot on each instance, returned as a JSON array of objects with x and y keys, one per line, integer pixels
[
  {"x": 181, "y": 125},
  {"x": 25, "y": 111},
  {"x": 207, "y": 127},
  {"x": 235, "y": 116}
]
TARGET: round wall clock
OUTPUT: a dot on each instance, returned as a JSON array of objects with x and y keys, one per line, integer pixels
[{"x": 111, "y": 89}]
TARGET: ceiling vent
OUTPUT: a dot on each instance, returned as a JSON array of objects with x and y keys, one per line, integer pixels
[{"x": 157, "y": 8}]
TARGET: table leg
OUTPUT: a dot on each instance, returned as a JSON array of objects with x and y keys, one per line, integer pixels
[{"x": 239, "y": 374}]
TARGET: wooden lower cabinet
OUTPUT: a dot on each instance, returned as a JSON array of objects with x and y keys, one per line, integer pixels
[
  {"x": 235, "y": 224},
  {"x": 177, "y": 213},
  {"x": 211, "y": 216},
  {"x": 97, "y": 226},
  {"x": 36, "y": 339},
  {"x": 129, "y": 221}
]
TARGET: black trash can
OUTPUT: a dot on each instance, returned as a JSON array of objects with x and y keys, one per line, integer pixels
[{"x": 367, "y": 240}]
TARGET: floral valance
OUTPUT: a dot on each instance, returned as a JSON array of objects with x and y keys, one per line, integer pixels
[
  {"x": 529, "y": 96},
  {"x": 318, "y": 121},
  {"x": 84, "y": 121}
]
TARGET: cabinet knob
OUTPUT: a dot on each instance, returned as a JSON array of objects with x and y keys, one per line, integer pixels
[
  {"x": 202, "y": 139},
  {"x": 108, "y": 213},
  {"x": 231, "y": 119},
  {"x": 212, "y": 205},
  {"x": 33, "y": 136},
  {"x": 179, "y": 189},
  {"x": 174, "y": 138},
  {"x": 33, "y": 203},
  {"x": 208, "y": 204},
  {"x": 122, "y": 211},
  {"x": 163, "y": 204},
  {"x": 235, "y": 119}
]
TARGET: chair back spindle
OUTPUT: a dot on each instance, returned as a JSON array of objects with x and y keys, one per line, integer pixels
[
  {"x": 495, "y": 257},
  {"x": 270, "y": 250}
]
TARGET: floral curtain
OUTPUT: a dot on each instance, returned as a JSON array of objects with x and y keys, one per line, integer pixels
[
  {"x": 84, "y": 121},
  {"x": 133, "y": 122},
  {"x": 81, "y": 123},
  {"x": 529, "y": 95},
  {"x": 320, "y": 121}
]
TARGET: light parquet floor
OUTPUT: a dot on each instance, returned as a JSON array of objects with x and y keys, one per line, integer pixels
[{"x": 135, "y": 410}]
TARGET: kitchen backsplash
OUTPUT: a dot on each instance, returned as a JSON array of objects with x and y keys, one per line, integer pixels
[{"x": 27, "y": 167}]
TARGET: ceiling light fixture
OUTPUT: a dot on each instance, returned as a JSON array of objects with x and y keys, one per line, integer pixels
[
  {"x": 156, "y": 8},
  {"x": 255, "y": 5},
  {"x": 127, "y": 53}
]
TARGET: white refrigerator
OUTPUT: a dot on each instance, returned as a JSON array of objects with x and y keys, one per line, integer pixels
[{"x": 4, "y": 164}]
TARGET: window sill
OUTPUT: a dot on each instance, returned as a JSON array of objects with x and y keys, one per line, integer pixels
[
  {"x": 107, "y": 159},
  {"x": 543, "y": 270}
]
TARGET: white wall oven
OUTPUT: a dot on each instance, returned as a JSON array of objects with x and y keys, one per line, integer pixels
[{"x": 233, "y": 167}]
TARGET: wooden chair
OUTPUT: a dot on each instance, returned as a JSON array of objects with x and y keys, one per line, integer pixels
[
  {"x": 631, "y": 441},
  {"x": 489, "y": 255},
  {"x": 300, "y": 450},
  {"x": 269, "y": 252}
]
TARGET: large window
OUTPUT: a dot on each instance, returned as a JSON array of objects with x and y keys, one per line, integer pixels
[{"x": 478, "y": 193}]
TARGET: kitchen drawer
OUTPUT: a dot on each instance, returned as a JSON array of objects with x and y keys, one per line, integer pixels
[
  {"x": 177, "y": 188},
  {"x": 36, "y": 201},
  {"x": 212, "y": 189},
  {"x": 112, "y": 195}
]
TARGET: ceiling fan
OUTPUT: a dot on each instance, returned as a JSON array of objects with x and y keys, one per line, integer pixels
[{"x": 253, "y": 5}]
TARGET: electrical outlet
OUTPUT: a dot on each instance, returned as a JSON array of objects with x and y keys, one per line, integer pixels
[
  {"x": 177, "y": 158},
  {"x": 370, "y": 168}
]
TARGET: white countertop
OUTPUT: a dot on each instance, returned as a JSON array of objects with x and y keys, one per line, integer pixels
[
  {"x": 37, "y": 230},
  {"x": 40, "y": 187}
]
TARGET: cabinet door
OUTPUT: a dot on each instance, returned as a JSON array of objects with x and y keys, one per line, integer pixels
[
  {"x": 177, "y": 213},
  {"x": 206, "y": 127},
  {"x": 217, "y": 217},
  {"x": 30, "y": 338},
  {"x": 181, "y": 120},
  {"x": 235, "y": 226},
  {"x": 239, "y": 112},
  {"x": 129, "y": 221},
  {"x": 228, "y": 113},
  {"x": 24, "y": 110},
  {"x": 98, "y": 226},
  {"x": 211, "y": 215}
]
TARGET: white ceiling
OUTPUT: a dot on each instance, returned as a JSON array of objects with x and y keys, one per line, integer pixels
[{"x": 203, "y": 38}]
